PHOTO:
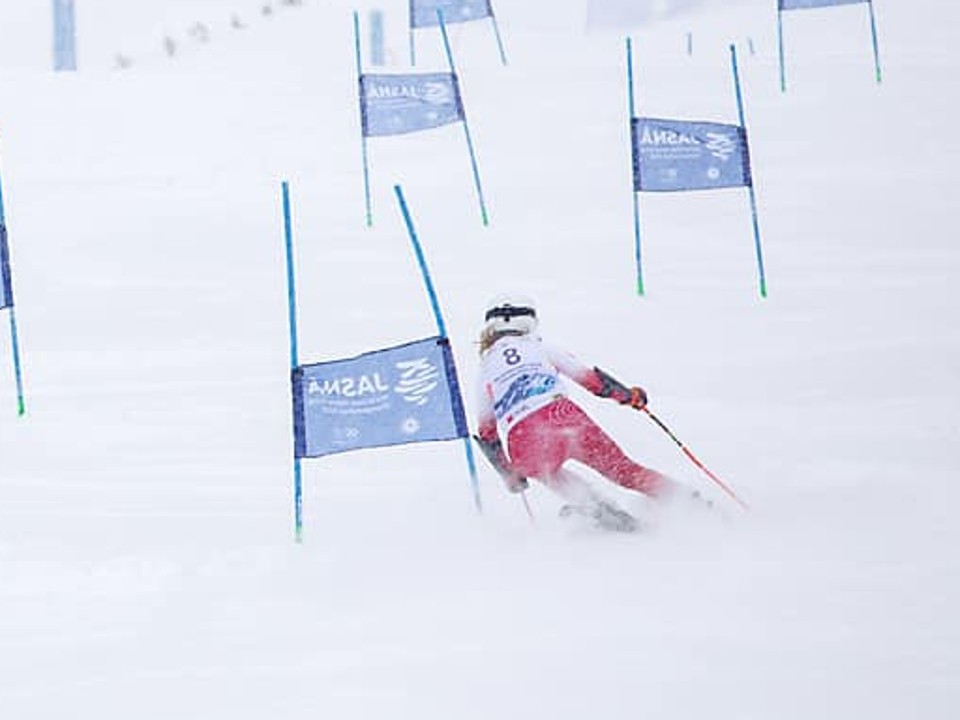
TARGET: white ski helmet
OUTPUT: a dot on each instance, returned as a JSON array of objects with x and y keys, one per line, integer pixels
[{"x": 510, "y": 314}]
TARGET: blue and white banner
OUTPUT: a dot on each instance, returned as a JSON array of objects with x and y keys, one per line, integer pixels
[
  {"x": 64, "y": 35},
  {"x": 398, "y": 104},
  {"x": 803, "y": 4},
  {"x": 398, "y": 395},
  {"x": 676, "y": 155},
  {"x": 6, "y": 283},
  {"x": 423, "y": 13}
]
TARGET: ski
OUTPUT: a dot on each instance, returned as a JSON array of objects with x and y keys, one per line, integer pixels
[{"x": 603, "y": 515}]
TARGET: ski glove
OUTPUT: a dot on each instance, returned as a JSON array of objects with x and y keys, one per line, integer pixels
[
  {"x": 515, "y": 483},
  {"x": 612, "y": 388},
  {"x": 638, "y": 398}
]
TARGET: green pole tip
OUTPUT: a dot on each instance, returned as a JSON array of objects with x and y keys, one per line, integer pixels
[{"x": 640, "y": 287}]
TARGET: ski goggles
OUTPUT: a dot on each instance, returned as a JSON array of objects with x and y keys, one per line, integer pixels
[{"x": 509, "y": 311}]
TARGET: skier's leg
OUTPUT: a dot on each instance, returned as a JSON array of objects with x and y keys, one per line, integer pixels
[
  {"x": 598, "y": 450},
  {"x": 541, "y": 443},
  {"x": 536, "y": 446}
]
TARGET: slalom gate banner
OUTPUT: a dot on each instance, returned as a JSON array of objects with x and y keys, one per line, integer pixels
[
  {"x": 391, "y": 396},
  {"x": 802, "y": 4},
  {"x": 403, "y": 103},
  {"x": 670, "y": 155},
  {"x": 678, "y": 155},
  {"x": 398, "y": 104},
  {"x": 433, "y": 13},
  {"x": 785, "y": 5},
  {"x": 64, "y": 36},
  {"x": 397, "y": 395},
  {"x": 6, "y": 283},
  {"x": 423, "y": 13}
]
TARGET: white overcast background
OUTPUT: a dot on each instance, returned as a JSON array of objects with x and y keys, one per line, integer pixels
[{"x": 147, "y": 561}]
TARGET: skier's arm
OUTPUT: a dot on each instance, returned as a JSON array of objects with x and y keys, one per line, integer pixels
[
  {"x": 610, "y": 387},
  {"x": 489, "y": 441},
  {"x": 493, "y": 451},
  {"x": 597, "y": 381}
]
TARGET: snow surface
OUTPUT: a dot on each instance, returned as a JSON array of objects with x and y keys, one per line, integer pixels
[{"x": 147, "y": 562}]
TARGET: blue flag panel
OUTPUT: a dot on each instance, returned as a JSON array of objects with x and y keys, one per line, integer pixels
[
  {"x": 802, "y": 4},
  {"x": 423, "y": 13},
  {"x": 64, "y": 35},
  {"x": 674, "y": 155},
  {"x": 397, "y": 104},
  {"x": 6, "y": 284},
  {"x": 398, "y": 395}
]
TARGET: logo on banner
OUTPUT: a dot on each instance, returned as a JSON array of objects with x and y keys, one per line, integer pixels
[
  {"x": 434, "y": 93},
  {"x": 721, "y": 146},
  {"x": 417, "y": 379}
]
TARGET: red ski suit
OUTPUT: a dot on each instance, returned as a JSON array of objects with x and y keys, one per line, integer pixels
[{"x": 523, "y": 400}]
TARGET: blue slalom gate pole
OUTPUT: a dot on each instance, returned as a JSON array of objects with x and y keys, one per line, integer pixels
[
  {"x": 411, "y": 37},
  {"x": 14, "y": 335},
  {"x": 441, "y": 326},
  {"x": 876, "y": 45},
  {"x": 753, "y": 196},
  {"x": 466, "y": 125},
  {"x": 783, "y": 72},
  {"x": 636, "y": 200},
  {"x": 294, "y": 351},
  {"x": 496, "y": 33},
  {"x": 17, "y": 372},
  {"x": 363, "y": 137},
  {"x": 421, "y": 261}
]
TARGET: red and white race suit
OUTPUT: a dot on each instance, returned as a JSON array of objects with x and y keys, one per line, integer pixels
[{"x": 524, "y": 401}]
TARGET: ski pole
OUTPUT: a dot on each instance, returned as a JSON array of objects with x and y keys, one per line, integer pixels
[
  {"x": 693, "y": 458},
  {"x": 526, "y": 505}
]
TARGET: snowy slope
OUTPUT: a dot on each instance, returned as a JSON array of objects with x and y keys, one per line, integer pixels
[{"x": 146, "y": 558}]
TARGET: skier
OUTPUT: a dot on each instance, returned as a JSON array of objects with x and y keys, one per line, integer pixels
[{"x": 523, "y": 401}]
